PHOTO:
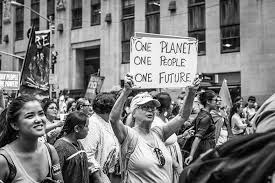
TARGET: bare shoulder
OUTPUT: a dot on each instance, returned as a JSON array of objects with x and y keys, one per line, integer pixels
[{"x": 4, "y": 170}]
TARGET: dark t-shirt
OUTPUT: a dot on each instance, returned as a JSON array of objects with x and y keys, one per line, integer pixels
[
  {"x": 73, "y": 161},
  {"x": 205, "y": 130}
]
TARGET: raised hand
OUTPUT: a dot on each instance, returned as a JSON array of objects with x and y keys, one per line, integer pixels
[
  {"x": 128, "y": 82},
  {"x": 196, "y": 84}
]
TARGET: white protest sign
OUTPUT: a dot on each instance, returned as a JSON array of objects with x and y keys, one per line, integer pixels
[
  {"x": 9, "y": 80},
  {"x": 163, "y": 62}
]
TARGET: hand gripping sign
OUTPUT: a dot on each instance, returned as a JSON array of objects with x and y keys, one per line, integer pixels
[{"x": 163, "y": 62}]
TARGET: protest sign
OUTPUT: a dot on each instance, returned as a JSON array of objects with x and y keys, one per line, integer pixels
[
  {"x": 9, "y": 80},
  {"x": 163, "y": 62},
  {"x": 94, "y": 86},
  {"x": 35, "y": 71}
]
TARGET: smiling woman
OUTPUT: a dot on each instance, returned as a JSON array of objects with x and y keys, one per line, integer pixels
[{"x": 23, "y": 158}]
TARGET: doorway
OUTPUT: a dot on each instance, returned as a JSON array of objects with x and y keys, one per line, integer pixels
[{"x": 91, "y": 64}]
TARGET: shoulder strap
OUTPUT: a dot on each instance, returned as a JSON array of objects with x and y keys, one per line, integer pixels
[
  {"x": 11, "y": 165},
  {"x": 51, "y": 156},
  {"x": 49, "y": 150},
  {"x": 125, "y": 159}
]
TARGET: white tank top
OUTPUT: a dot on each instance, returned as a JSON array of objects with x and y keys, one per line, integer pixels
[{"x": 21, "y": 175}]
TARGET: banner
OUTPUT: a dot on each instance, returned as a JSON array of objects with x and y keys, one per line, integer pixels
[
  {"x": 163, "y": 62},
  {"x": 225, "y": 95},
  {"x": 35, "y": 71},
  {"x": 9, "y": 80},
  {"x": 94, "y": 86},
  {"x": 6, "y": 11}
]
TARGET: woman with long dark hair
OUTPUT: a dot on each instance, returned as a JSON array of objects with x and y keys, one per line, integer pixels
[
  {"x": 238, "y": 124},
  {"x": 73, "y": 159},
  {"x": 22, "y": 157},
  {"x": 204, "y": 127}
]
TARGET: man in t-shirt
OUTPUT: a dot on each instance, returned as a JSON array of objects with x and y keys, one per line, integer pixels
[{"x": 249, "y": 111}]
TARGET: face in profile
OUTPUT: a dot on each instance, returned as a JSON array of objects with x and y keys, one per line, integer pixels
[
  {"x": 251, "y": 103},
  {"x": 180, "y": 99},
  {"x": 83, "y": 130},
  {"x": 31, "y": 120},
  {"x": 213, "y": 103},
  {"x": 219, "y": 102}
]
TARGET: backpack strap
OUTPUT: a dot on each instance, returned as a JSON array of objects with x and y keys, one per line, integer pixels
[
  {"x": 11, "y": 165},
  {"x": 125, "y": 159}
]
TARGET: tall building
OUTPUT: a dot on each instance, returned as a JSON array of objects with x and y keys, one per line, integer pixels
[{"x": 236, "y": 38}]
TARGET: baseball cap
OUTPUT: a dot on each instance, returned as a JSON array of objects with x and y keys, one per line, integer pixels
[{"x": 142, "y": 98}]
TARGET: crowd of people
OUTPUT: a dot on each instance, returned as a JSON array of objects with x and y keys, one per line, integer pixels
[{"x": 119, "y": 137}]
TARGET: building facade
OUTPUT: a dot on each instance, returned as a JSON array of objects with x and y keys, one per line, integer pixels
[{"x": 236, "y": 38}]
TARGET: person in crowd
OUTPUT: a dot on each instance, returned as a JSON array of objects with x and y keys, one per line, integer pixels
[
  {"x": 22, "y": 157},
  {"x": 69, "y": 99},
  {"x": 223, "y": 129},
  {"x": 2, "y": 101},
  {"x": 101, "y": 144},
  {"x": 72, "y": 157},
  {"x": 238, "y": 124},
  {"x": 249, "y": 111},
  {"x": 181, "y": 97},
  {"x": 84, "y": 105},
  {"x": 178, "y": 103},
  {"x": 204, "y": 127},
  {"x": 144, "y": 155},
  {"x": 161, "y": 118},
  {"x": 53, "y": 126},
  {"x": 62, "y": 104},
  {"x": 127, "y": 111},
  {"x": 71, "y": 106},
  {"x": 239, "y": 99},
  {"x": 238, "y": 160}
]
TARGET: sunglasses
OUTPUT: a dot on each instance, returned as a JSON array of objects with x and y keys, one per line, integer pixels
[
  {"x": 147, "y": 108},
  {"x": 53, "y": 108},
  {"x": 160, "y": 157}
]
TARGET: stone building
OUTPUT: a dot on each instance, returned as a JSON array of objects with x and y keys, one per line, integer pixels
[{"x": 236, "y": 38}]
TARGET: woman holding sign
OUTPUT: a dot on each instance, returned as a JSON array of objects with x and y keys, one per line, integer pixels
[{"x": 144, "y": 155}]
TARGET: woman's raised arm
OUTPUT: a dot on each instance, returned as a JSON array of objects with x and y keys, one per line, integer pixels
[
  {"x": 184, "y": 112},
  {"x": 115, "y": 115}
]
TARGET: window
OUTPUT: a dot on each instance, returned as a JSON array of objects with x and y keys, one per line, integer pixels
[
  {"x": 196, "y": 23},
  {"x": 19, "y": 21},
  {"x": 1, "y": 20},
  {"x": 128, "y": 28},
  {"x": 76, "y": 14},
  {"x": 35, "y": 5},
  {"x": 153, "y": 16},
  {"x": 230, "y": 25},
  {"x": 50, "y": 11},
  {"x": 95, "y": 12},
  {"x": 20, "y": 64}
]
